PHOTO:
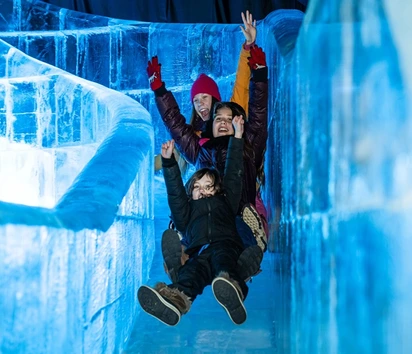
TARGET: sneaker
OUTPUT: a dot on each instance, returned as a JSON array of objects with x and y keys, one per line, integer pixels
[
  {"x": 164, "y": 303},
  {"x": 249, "y": 261},
  {"x": 172, "y": 253},
  {"x": 229, "y": 295},
  {"x": 154, "y": 304},
  {"x": 251, "y": 217}
]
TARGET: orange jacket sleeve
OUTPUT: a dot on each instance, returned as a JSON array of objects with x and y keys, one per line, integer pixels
[{"x": 240, "y": 94}]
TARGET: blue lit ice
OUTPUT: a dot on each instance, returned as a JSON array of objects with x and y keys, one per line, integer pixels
[
  {"x": 76, "y": 158},
  {"x": 82, "y": 212}
]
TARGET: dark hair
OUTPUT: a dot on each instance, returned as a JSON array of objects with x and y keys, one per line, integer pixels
[
  {"x": 237, "y": 109},
  {"x": 211, "y": 172},
  {"x": 260, "y": 172},
  {"x": 248, "y": 153}
]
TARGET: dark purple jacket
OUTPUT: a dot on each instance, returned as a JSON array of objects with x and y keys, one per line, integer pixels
[{"x": 213, "y": 154}]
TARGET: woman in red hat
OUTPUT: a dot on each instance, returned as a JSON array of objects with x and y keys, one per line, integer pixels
[
  {"x": 204, "y": 95},
  {"x": 205, "y": 92}
]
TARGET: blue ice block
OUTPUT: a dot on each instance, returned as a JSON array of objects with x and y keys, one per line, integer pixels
[{"x": 78, "y": 159}]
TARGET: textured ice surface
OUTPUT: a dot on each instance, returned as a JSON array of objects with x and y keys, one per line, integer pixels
[
  {"x": 77, "y": 158},
  {"x": 64, "y": 290},
  {"x": 114, "y": 53},
  {"x": 342, "y": 133}
]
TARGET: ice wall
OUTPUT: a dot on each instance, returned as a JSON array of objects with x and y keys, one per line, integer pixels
[
  {"x": 77, "y": 157},
  {"x": 66, "y": 39},
  {"x": 342, "y": 142}
]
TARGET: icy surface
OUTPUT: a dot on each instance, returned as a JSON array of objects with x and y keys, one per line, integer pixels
[
  {"x": 342, "y": 133},
  {"x": 64, "y": 290},
  {"x": 338, "y": 164},
  {"x": 78, "y": 158}
]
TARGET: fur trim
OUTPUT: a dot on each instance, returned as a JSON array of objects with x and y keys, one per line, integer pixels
[
  {"x": 224, "y": 275},
  {"x": 186, "y": 299},
  {"x": 160, "y": 286},
  {"x": 178, "y": 292},
  {"x": 170, "y": 293}
]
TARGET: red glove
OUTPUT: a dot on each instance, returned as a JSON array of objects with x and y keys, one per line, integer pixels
[
  {"x": 257, "y": 59},
  {"x": 153, "y": 71}
]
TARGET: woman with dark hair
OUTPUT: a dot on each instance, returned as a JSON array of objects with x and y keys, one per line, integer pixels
[
  {"x": 205, "y": 213},
  {"x": 210, "y": 150},
  {"x": 205, "y": 92}
]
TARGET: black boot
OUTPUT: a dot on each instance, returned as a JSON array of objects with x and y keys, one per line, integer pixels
[
  {"x": 248, "y": 264},
  {"x": 164, "y": 303},
  {"x": 229, "y": 294},
  {"x": 172, "y": 253}
]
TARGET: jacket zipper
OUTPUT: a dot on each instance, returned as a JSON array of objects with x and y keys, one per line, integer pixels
[{"x": 209, "y": 226}]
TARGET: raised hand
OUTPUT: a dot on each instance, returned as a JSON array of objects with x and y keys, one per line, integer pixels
[
  {"x": 153, "y": 71},
  {"x": 167, "y": 149},
  {"x": 257, "y": 59},
  {"x": 249, "y": 31},
  {"x": 238, "y": 125}
]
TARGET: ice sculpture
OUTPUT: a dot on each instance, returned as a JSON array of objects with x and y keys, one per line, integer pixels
[{"x": 77, "y": 157}]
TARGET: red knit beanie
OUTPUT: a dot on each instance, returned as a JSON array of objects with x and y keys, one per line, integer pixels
[{"x": 205, "y": 84}]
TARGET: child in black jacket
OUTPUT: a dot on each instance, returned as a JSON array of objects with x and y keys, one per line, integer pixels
[{"x": 205, "y": 212}]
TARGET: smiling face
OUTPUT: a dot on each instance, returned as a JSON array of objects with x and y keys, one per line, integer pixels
[
  {"x": 203, "y": 104},
  {"x": 222, "y": 122},
  {"x": 203, "y": 188}
]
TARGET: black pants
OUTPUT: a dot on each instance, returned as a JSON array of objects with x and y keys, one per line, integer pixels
[{"x": 200, "y": 270}]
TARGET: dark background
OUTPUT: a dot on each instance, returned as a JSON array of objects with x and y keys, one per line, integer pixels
[{"x": 181, "y": 11}]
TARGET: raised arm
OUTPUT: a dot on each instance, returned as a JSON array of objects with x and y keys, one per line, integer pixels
[
  {"x": 256, "y": 128},
  {"x": 183, "y": 165},
  {"x": 240, "y": 93},
  {"x": 183, "y": 134},
  {"x": 234, "y": 170},
  {"x": 176, "y": 194}
]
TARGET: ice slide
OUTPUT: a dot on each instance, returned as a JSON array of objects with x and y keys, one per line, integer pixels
[{"x": 81, "y": 213}]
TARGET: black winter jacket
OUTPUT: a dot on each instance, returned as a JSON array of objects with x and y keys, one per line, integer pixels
[
  {"x": 213, "y": 154},
  {"x": 210, "y": 219}
]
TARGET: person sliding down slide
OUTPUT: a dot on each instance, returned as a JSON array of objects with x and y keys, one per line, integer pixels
[
  {"x": 211, "y": 152},
  {"x": 252, "y": 224},
  {"x": 206, "y": 212}
]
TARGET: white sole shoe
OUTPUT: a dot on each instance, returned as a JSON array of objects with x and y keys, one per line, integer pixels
[
  {"x": 227, "y": 295},
  {"x": 155, "y": 305}
]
